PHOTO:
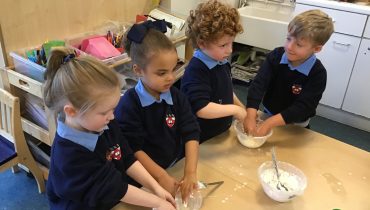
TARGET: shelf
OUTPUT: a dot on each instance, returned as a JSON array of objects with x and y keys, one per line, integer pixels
[{"x": 36, "y": 131}]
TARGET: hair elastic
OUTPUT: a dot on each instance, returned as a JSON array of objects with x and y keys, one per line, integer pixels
[
  {"x": 138, "y": 31},
  {"x": 68, "y": 58}
]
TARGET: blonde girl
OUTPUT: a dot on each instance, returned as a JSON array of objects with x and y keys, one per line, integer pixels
[{"x": 90, "y": 160}]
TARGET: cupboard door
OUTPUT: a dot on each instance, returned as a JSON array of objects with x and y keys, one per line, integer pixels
[
  {"x": 367, "y": 29},
  {"x": 357, "y": 99},
  {"x": 344, "y": 22},
  {"x": 338, "y": 56}
]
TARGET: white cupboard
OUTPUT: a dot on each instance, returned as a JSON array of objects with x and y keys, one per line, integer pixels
[
  {"x": 338, "y": 57},
  {"x": 357, "y": 98},
  {"x": 367, "y": 29},
  {"x": 344, "y": 22},
  {"x": 346, "y": 57},
  {"x": 339, "y": 53}
]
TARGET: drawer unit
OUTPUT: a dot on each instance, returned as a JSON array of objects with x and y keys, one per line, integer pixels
[
  {"x": 17, "y": 82},
  {"x": 344, "y": 22},
  {"x": 25, "y": 83}
]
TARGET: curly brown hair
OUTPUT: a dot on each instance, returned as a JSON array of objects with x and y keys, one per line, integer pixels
[{"x": 211, "y": 20}]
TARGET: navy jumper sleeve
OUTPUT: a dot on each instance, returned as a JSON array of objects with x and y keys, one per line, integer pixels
[
  {"x": 261, "y": 82},
  {"x": 196, "y": 85},
  {"x": 188, "y": 124}
]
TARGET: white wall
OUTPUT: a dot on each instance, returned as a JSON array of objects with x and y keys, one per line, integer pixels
[{"x": 184, "y": 6}]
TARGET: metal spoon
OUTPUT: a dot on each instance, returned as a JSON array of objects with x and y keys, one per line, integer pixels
[
  {"x": 277, "y": 171},
  {"x": 203, "y": 185}
]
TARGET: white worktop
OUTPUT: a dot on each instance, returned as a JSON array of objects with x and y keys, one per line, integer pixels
[{"x": 350, "y": 7}]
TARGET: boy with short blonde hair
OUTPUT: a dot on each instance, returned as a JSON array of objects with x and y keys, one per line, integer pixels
[
  {"x": 314, "y": 25},
  {"x": 291, "y": 81}
]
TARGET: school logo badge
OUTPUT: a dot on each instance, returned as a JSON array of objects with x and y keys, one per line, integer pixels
[
  {"x": 296, "y": 89},
  {"x": 114, "y": 153},
  {"x": 170, "y": 120}
]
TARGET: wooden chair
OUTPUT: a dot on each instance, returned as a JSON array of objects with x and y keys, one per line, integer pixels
[{"x": 13, "y": 145}]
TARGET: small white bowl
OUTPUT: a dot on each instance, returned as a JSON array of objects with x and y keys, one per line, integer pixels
[
  {"x": 293, "y": 178},
  {"x": 248, "y": 140}
]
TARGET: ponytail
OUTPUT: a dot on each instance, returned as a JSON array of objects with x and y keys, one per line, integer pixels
[
  {"x": 80, "y": 81},
  {"x": 55, "y": 60}
]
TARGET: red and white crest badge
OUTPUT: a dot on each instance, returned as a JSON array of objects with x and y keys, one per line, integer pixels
[
  {"x": 114, "y": 153},
  {"x": 296, "y": 89},
  {"x": 170, "y": 120}
]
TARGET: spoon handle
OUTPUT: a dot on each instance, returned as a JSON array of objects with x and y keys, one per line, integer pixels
[{"x": 274, "y": 161}]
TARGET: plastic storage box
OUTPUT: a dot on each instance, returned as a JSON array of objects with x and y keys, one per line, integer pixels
[
  {"x": 35, "y": 71},
  {"x": 112, "y": 26},
  {"x": 27, "y": 67},
  {"x": 74, "y": 42}
]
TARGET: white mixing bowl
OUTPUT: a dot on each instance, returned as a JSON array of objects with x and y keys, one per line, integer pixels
[
  {"x": 290, "y": 176},
  {"x": 248, "y": 140}
]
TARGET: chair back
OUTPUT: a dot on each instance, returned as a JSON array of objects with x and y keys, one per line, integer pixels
[
  {"x": 10, "y": 119},
  {"x": 11, "y": 129}
]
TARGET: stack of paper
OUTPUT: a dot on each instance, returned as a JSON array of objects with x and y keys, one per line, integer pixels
[{"x": 177, "y": 22}]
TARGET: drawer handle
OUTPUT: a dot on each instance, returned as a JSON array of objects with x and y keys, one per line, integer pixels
[
  {"x": 23, "y": 84},
  {"x": 343, "y": 44}
]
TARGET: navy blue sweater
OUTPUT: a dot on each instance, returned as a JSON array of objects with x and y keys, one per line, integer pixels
[
  {"x": 81, "y": 179},
  {"x": 146, "y": 127},
  {"x": 202, "y": 86},
  {"x": 277, "y": 86}
]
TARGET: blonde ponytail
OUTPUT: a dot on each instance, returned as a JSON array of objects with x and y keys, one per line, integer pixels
[{"x": 81, "y": 81}]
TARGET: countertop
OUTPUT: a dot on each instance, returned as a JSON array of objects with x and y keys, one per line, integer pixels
[{"x": 338, "y": 174}]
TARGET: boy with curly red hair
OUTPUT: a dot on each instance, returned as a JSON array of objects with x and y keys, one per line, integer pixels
[{"x": 207, "y": 81}]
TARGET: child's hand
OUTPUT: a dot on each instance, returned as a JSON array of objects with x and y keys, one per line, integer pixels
[
  {"x": 240, "y": 113},
  {"x": 168, "y": 183},
  {"x": 162, "y": 193},
  {"x": 188, "y": 184},
  {"x": 165, "y": 205},
  {"x": 262, "y": 129},
  {"x": 250, "y": 125}
]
